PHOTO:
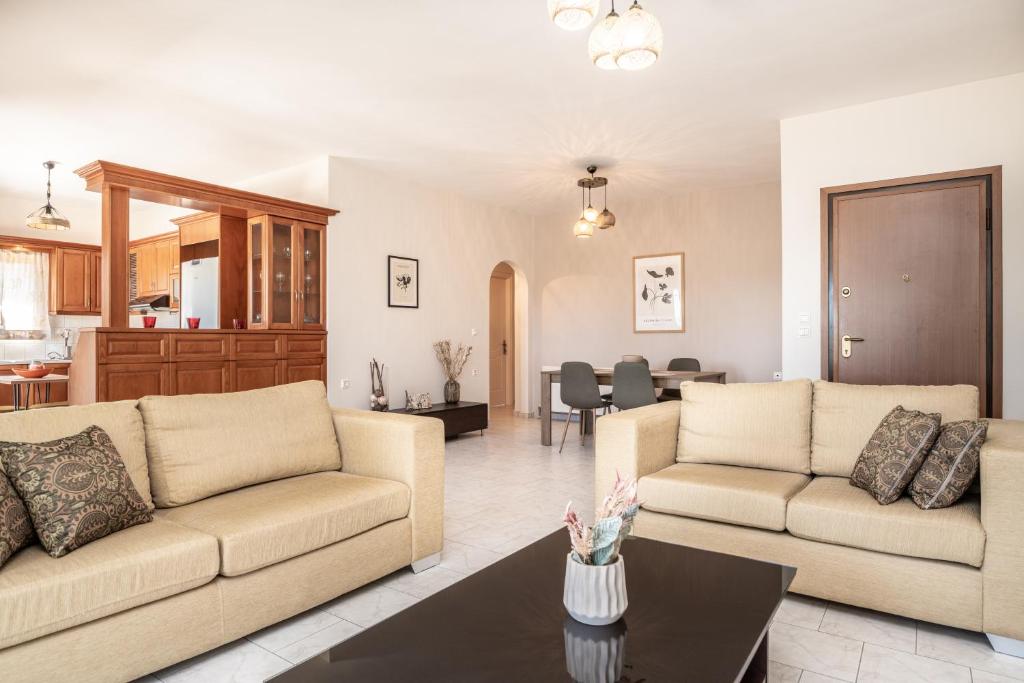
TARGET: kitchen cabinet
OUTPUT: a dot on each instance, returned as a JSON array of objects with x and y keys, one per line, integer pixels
[
  {"x": 75, "y": 281},
  {"x": 157, "y": 259},
  {"x": 286, "y": 274}
]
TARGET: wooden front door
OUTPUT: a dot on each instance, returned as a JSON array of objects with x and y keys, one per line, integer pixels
[
  {"x": 501, "y": 336},
  {"x": 911, "y": 268}
]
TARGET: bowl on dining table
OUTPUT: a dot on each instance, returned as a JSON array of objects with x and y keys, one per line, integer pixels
[{"x": 32, "y": 373}]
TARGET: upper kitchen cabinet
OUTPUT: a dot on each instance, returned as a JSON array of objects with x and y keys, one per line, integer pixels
[
  {"x": 156, "y": 260},
  {"x": 286, "y": 274},
  {"x": 75, "y": 280}
]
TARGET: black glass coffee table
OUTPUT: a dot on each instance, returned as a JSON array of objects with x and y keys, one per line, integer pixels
[{"x": 693, "y": 615}]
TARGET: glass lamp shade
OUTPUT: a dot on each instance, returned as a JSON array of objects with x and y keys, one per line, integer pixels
[
  {"x": 605, "y": 220},
  {"x": 573, "y": 15},
  {"x": 590, "y": 214},
  {"x": 583, "y": 228},
  {"x": 638, "y": 39},
  {"x": 602, "y": 43},
  {"x": 47, "y": 218}
]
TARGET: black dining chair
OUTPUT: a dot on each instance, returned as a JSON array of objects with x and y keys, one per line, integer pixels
[
  {"x": 578, "y": 389},
  {"x": 632, "y": 386},
  {"x": 681, "y": 364},
  {"x": 628, "y": 359}
]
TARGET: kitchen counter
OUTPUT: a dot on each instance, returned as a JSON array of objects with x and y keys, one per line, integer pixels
[{"x": 48, "y": 361}]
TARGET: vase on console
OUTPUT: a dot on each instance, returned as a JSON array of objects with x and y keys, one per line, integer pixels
[
  {"x": 452, "y": 361},
  {"x": 451, "y": 391}
]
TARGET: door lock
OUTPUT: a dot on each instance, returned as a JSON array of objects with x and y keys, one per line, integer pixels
[{"x": 848, "y": 344}]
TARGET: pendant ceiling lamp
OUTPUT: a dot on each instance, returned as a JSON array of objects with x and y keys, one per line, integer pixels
[
  {"x": 573, "y": 15},
  {"x": 602, "y": 42},
  {"x": 46, "y": 217},
  {"x": 591, "y": 218}
]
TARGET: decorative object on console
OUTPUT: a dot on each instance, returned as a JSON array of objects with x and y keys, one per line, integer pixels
[
  {"x": 76, "y": 489},
  {"x": 894, "y": 453},
  {"x": 659, "y": 293},
  {"x": 47, "y": 217},
  {"x": 15, "y": 524},
  {"x": 418, "y": 401},
  {"x": 590, "y": 218},
  {"x": 403, "y": 282},
  {"x": 595, "y": 574},
  {"x": 452, "y": 364},
  {"x": 379, "y": 394},
  {"x": 950, "y": 466}
]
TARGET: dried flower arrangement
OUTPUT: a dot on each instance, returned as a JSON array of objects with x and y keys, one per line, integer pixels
[
  {"x": 599, "y": 544},
  {"x": 452, "y": 362},
  {"x": 379, "y": 397}
]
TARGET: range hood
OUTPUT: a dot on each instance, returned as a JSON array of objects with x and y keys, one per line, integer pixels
[{"x": 154, "y": 302}]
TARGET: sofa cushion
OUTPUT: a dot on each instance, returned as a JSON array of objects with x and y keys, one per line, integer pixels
[
  {"x": 15, "y": 525},
  {"x": 76, "y": 489},
  {"x": 204, "y": 444},
  {"x": 751, "y": 425},
  {"x": 832, "y": 511},
  {"x": 41, "y": 595},
  {"x": 894, "y": 453},
  {"x": 120, "y": 420},
  {"x": 950, "y": 467},
  {"x": 722, "y": 493},
  {"x": 845, "y": 415},
  {"x": 268, "y": 523}
]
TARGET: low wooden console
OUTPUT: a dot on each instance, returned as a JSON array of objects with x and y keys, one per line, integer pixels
[
  {"x": 116, "y": 364},
  {"x": 458, "y": 418}
]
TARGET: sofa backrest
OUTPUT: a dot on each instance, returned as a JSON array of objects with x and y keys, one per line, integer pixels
[
  {"x": 204, "y": 444},
  {"x": 845, "y": 416},
  {"x": 119, "y": 419},
  {"x": 752, "y": 425}
]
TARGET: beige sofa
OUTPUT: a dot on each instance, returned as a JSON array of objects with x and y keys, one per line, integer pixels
[
  {"x": 267, "y": 503},
  {"x": 761, "y": 470}
]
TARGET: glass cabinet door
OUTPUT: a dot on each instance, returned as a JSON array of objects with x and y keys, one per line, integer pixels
[
  {"x": 256, "y": 251},
  {"x": 283, "y": 294},
  {"x": 311, "y": 277}
]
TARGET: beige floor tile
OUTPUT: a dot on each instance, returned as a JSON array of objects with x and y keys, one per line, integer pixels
[
  {"x": 237, "y": 662},
  {"x": 466, "y": 559},
  {"x": 814, "y": 651},
  {"x": 800, "y": 610},
  {"x": 781, "y": 673},
  {"x": 812, "y": 677},
  {"x": 895, "y": 633},
  {"x": 966, "y": 648},
  {"x": 425, "y": 583},
  {"x": 979, "y": 676},
  {"x": 882, "y": 665},
  {"x": 316, "y": 643},
  {"x": 282, "y": 634},
  {"x": 370, "y": 605}
]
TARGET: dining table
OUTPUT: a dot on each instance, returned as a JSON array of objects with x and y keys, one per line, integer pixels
[
  {"x": 26, "y": 384},
  {"x": 663, "y": 379}
]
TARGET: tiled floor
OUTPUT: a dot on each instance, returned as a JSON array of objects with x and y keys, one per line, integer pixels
[{"x": 505, "y": 490}]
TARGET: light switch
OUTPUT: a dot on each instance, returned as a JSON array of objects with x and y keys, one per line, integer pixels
[
  {"x": 473, "y": 331},
  {"x": 804, "y": 332},
  {"x": 805, "y": 317},
  {"x": 476, "y": 372}
]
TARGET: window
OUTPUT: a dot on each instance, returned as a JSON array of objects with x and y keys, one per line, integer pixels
[{"x": 24, "y": 279}]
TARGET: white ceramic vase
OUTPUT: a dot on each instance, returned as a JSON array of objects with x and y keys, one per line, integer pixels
[
  {"x": 594, "y": 654},
  {"x": 595, "y": 594}
]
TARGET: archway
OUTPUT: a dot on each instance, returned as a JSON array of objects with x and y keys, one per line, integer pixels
[{"x": 508, "y": 300}]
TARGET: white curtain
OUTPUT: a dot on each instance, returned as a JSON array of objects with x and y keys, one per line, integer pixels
[{"x": 24, "y": 283}]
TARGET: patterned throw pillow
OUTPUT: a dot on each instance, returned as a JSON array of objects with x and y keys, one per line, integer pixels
[
  {"x": 951, "y": 464},
  {"x": 894, "y": 453},
  {"x": 76, "y": 489},
  {"x": 15, "y": 525}
]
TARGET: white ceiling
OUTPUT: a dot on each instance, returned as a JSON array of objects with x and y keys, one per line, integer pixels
[{"x": 487, "y": 97}]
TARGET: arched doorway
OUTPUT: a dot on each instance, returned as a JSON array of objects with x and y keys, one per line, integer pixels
[{"x": 502, "y": 338}]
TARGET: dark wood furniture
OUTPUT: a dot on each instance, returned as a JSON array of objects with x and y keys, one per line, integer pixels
[
  {"x": 663, "y": 379},
  {"x": 693, "y": 615},
  {"x": 458, "y": 418},
  {"x": 115, "y": 364}
]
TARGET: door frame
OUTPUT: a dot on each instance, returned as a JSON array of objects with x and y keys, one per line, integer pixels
[
  {"x": 510, "y": 333},
  {"x": 993, "y": 270}
]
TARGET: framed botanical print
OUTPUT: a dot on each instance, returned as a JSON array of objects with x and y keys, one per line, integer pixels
[
  {"x": 659, "y": 293},
  {"x": 403, "y": 282}
]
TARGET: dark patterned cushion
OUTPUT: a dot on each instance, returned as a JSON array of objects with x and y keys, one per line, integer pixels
[
  {"x": 15, "y": 525},
  {"x": 76, "y": 489},
  {"x": 894, "y": 453},
  {"x": 950, "y": 466}
]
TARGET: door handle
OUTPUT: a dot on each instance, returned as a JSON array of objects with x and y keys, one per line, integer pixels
[
  {"x": 848, "y": 344},
  {"x": 504, "y": 347}
]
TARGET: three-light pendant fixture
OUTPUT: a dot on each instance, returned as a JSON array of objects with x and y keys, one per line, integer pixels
[
  {"x": 630, "y": 42},
  {"x": 592, "y": 218}
]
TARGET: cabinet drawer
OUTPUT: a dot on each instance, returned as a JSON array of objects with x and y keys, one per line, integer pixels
[
  {"x": 257, "y": 374},
  {"x": 303, "y": 369},
  {"x": 305, "y": 345},
  {"x": 200, "y": 377},
  {"x": 185, "y": 347},
  {"x": 130, "y": 381},
  {"x": 131, "y": 347},
  {"x": 256, "y": 346}
]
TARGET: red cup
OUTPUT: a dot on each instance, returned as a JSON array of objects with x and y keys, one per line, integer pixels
[
  {"x": 238, "y": 323},
  {"x": 193, "y": 323},
  {"x": 149, "y": 321}
]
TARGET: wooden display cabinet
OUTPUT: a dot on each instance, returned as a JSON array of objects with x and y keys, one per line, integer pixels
[{"x": 286, "y": 274}]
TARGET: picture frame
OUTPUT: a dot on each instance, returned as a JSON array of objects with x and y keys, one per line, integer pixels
[
  {"x": 659, "y": 293},
  {"x": 403, "y": 282}
]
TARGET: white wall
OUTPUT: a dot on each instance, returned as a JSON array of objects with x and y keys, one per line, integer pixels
[
  {"x": 731, "y": 242},
  {"x": 966, "y": 126}
]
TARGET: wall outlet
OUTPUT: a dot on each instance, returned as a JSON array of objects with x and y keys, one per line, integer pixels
[
  {"x": 804, "y": 332},
  {"x": 473, "y": 332},
  {"x": 346, "y": 384},
  {"x": 476, "y": 373},
  {"x": 777, "y": 376}
]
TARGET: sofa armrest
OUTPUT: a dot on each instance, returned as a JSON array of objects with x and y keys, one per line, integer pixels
[
  {"x": 1002, "y": 517},
  {"x": 635, "y": 443},
  {"x": 403, "y": 448}
]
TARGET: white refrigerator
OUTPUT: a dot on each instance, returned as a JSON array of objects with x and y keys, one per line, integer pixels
[{"x": 200, "y": 295}]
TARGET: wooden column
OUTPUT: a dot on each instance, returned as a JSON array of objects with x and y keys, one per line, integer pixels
[{"x": 114, "y": 280}]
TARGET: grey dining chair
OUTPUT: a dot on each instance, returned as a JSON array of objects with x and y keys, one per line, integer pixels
[
  {"x": 632, "y": 386},
  {"x": 578, "y": 389},
  {"x": 628, "y": 359},
  {"x": 683, "y": 364}
]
